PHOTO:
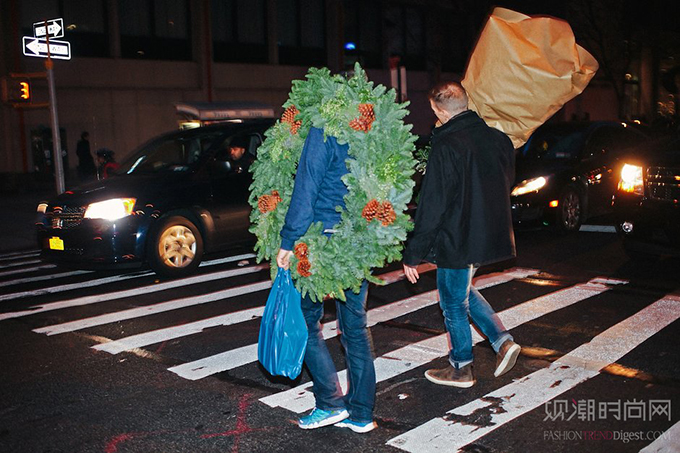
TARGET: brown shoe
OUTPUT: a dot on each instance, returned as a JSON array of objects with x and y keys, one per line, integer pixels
[
  {"x": 452, "y": 377},
  {"x": 506, "y": 357}
]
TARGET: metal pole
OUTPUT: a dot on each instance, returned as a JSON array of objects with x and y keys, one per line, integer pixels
[{"x": 56, "y": 139}]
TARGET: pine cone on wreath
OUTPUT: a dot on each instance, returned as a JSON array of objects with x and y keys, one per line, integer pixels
[
  {"x": 300, "y": 251},
  {"x": 361, "y": 124},
  {"x": 386, "y": 213},
  {"x": 366, "y": 111},
  {"x": 370, "y": 211},
  {"x": 295, "y": 126},
  {"x": 289, "y": 114},
  {"x": 303, "y": 267},
  {"x": 276, "y": 196},
  {"x": 266, "y": 203}
]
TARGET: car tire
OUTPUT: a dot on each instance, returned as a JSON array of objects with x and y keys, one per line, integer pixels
[
  {"x": 176, "y": 248},
  {"x": 569, "y": 216}
]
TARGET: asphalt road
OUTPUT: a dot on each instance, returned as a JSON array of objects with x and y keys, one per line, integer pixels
[{"x": 125, "y": 362}]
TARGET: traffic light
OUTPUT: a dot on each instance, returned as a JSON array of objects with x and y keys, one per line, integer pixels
[
  {"x": 17, "y": 89},
  {"x": 24, "y": 91}
]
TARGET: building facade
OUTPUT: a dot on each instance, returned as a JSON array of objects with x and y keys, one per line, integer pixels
[{"x": 132, "y": 60}]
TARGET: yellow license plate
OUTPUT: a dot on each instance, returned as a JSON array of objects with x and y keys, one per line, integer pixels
[{"x": 56, "y": 243}]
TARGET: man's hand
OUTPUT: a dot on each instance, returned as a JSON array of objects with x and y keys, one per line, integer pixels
[
  {"x": 283, "y": 258},
  {"x": 411, "y": 273}
]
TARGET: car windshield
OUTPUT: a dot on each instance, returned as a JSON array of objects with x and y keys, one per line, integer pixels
[
  {"x": 558, "y": 144},
  {"x": 172, "y": 154}
]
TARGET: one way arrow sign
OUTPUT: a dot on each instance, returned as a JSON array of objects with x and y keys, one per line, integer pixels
[
  {"x": 36, "y": 47},
  {"x": 55, "y": 28}
]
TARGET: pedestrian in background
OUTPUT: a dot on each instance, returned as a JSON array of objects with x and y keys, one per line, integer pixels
[
  {"x": 86, "y": 167},
  {"x": 463, "y": 221},
  {"x": 107, "y": 163}
]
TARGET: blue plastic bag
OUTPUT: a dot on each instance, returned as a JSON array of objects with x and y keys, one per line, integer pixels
[{"x": 283, "y": 331}]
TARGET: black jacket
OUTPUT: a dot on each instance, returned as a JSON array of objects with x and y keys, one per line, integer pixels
[{"x": 463, "y": 215}]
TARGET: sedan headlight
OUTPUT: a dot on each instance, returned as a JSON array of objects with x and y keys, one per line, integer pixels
[
  {"x": 529, "y": 185},
  {"x": 631, "y": 179},
  {"x": 113, "y": 209}
]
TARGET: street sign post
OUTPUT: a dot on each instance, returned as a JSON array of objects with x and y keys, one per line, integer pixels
[
  {"x": 53, "y": 29},
  {"x": 36, "y": 46}
]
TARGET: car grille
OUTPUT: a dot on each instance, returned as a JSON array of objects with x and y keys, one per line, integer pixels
[
  {"x": 664, "y": 183},
  {"x": 65, "y": 217}
]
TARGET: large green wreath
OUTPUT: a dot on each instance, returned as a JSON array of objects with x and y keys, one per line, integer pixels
[{"x": 373, "y": 224}]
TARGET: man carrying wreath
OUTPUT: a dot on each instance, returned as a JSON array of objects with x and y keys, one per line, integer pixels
[{"x": 318, "y": 191}]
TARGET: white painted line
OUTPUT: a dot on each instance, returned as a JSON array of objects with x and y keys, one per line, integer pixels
[
  {"x": 301, "y": 399},
  {"x": 667, "y": 442},
  {"x": 23, "y": 255},
  {"x": 25, "y": 271},
  {"x": 103, "y": 281},
  {"x": 160, "y": 308},
  {"x": 157, "y": 336},
  {"x": 70, "y": 286},
  {"x": 43, "y": 278},
  {"x": 456, "y": 430},
  {"x": 96, "y": 298},
  {"x": 20, "y": 263},
  {"x": 229, "y": 259},
  {"x": 247, "y": 354},
  {"x": 170, "y": 333},
  {"x": 598, "y": 228}
]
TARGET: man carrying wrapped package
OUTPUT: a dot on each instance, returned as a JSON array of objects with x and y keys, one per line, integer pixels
[{"x": 463, "y": 221}]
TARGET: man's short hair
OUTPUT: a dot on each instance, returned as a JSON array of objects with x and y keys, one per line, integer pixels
[{"x": 449, "y": 96}]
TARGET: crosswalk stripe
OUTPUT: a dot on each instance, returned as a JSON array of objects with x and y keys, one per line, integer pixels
[
  {"x": 19, "y": 263},
  {"x": 20, "y": 256},
  {"x": 96, "y": 298},
  {"x": 40, "y": 278},
  {"x": 12, "y": 255},
  {"x": 247, "y": 354},
  {"x": 105, "y": 280},
  {"x": 25, "y": 271},
  {"x": 157, "y": 336},
  {"x": 159, "y": 308},
  {"x": 301, "y": 399},
  {"x": 667, "y": 442},
  {"x": 71, "y": 286},
  {"x": 171, "y": 333},
  {"x": 456, "y": 429}
]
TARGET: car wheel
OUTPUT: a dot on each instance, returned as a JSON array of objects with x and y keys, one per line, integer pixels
[
  {"x": 177, "y": 247},
  {"x": 570, "y": 211}
]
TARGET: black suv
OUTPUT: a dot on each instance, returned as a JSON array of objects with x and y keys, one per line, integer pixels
[
  {"x": 179, "y": 195},
  {"x": 567, "y": 172},
  {"x": 647, "y": 201}
]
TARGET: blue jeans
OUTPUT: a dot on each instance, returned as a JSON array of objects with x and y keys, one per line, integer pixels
[
  {"x": 355, "y": 338},
  {"x": 458, "y": 300}
]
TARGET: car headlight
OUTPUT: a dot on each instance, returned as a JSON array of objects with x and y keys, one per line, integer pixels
[
  {"x": 42, "y": 208},
  {"x": 113, "y": 209},
  {"x": 529, "y": 185},
  {"x": 631, "y": 179}
]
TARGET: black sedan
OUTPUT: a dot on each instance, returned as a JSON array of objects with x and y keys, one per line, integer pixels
[
  {"x": 647, "y": 201},
  {"x": 178, "y": 196},
  {"x": 567, "y": 172}
]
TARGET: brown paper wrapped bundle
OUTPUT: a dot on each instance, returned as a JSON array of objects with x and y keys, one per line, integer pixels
[{"x": 524, "y": 69}]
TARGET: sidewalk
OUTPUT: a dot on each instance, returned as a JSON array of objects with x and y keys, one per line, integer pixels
[{"x": 17, "y": 226}]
